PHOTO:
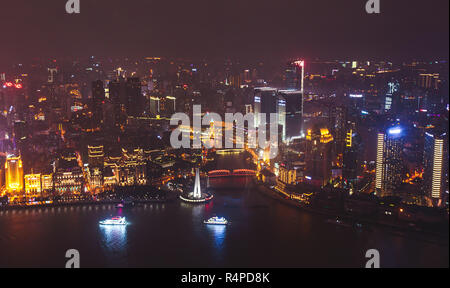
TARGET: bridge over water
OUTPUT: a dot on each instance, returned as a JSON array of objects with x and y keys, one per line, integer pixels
[
  {"x": 237, "y": 179},
  {"x": 231, "y": 171}
]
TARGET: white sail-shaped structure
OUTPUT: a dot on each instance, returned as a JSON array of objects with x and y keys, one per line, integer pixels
[
  {"x": 197, "y": 190},
  {"x": 196, "y": 196}
]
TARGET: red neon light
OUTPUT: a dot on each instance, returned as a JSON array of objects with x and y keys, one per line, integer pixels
[
  {"x": 9, "y": 84},
  {"x": 18, "y": 86}
]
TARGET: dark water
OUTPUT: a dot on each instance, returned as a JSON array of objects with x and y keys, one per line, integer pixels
[{"x": 263, "y": 233}]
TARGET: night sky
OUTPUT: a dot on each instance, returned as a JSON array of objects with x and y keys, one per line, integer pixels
[{"x": 218, "y": 28}]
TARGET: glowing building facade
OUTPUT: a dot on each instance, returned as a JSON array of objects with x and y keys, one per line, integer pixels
[
  {"x": 435, "y": 167},
  {"x": 96, "y": 156},
  {"x": 288, "y": 104},
  {"x": 290, "y": 109},
  {"x": 14, "y": 175},
  {"x": 265, "y": 101},
  {"x": 33, "y": 187},
  {"x": 318, "y": 156},
  {"x": 389, "y": 163},
  {"x": 47, "y": 184},
  {"x": 68, "y": 178}
]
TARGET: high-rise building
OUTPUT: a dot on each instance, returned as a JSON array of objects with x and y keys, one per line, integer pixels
[
  {"x": 435, "y": 162},
  {"x": 154, "y": 105},
  {"x": 265, "y": 101},
  {"x": 117, "y": 91},
  {"x": 428, "y": 81},
  {"x": 288, "y": 104},
  {"x": 134, "y": 100},
  {"x": 350, "y": 161},
  {"x": 338, "y": 123},
  {"x": 294, "y": 75},
  {"x": 171, "y": 106},
  {"x": 318, "y": 155},
  {"x": 98, "y": 98},
  {"x": 293, "y": 103},
  {"x": 14, "y": 175},
  {"x": 389, "y": 163}
]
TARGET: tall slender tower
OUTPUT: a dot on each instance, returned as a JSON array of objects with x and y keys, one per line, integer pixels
[
  {"x": 197, "y": 191},
  {"x": 389, "y": 161},
  {"x": 435, "y": 167}
]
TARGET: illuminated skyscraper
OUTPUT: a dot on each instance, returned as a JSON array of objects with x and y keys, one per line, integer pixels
[
  {"x": 14, "y": 175},
  {"x": 288, "y": 104},
  {"x": 389, "y": 163},
  {"x": 318, "y": 156},
  {"x": 265, "y": 101},
  {"x": 351, "y": 161},
  {"x": 428, "y": 81},
  {"x": 435, "y": 166},
  {"x": 294, "y": 75},
  {"x": 293, "y": 110}
]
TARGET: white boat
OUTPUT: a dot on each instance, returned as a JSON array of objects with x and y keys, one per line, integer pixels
[
  {"x": 216, "y": 221},
  {"x": 339, "y": 222},
  {"x": 114, "y": 221}
]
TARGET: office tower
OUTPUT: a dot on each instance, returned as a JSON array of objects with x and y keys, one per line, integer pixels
[
  {"x": 318, "y": 155},
  {"x": 265, "y": 101},
  {"x": 389, "y": 163},
  {"x": 171, "y": 106},
  {"x": 281, "y": 111},
  {"x": 294, "y": 75},
  {"x": 98, "y": 98},
  {"x": 350, "y": 161},
  {"x": 134, "y": 102},
  {"x": 392, "y": 96},
  {"x": 435, "y": 163},
  {"x": 235, "y": 81},
  {"x": 154, "y": 105},
  {"x": 428, "y": 81},
  {"x": 14, "y": 176},
  {"x": 117, "y": 93},
  {"x": 293, "y": 100},
  {"x": 338, "y": 123}
]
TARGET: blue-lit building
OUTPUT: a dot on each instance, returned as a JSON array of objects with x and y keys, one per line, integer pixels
[
  {"x": 293, "y": 103},
  {"x": 264, "y": 101},
  {"x": 389, "y": 161}
]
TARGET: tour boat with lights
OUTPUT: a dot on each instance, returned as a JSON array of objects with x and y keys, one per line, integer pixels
[
  {"x": 216, "y": 221},
  {"x": 114, "y": 221}
]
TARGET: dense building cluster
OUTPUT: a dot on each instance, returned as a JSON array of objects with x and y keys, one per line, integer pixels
[{"x": 73, "y": 127}]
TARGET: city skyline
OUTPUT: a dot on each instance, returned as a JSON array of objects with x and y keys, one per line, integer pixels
[{"x": 220, "y": 134}]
